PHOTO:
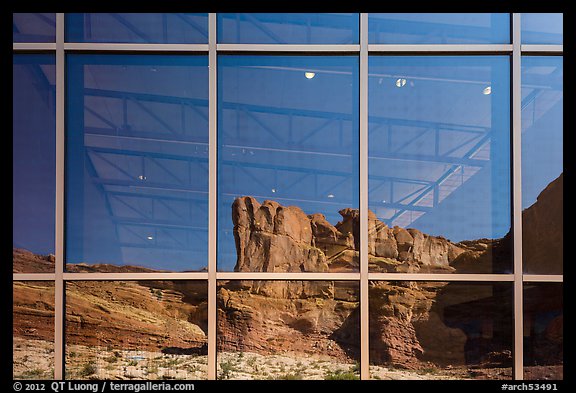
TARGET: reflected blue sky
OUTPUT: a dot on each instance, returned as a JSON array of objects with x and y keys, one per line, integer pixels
[
  {"x": 542, "y": 28},
  {"x": 34, "y": 152},
  {"x": 542, "y": 124},
  {"x": 438, "y": 28},
  {"x": 137, "y": 160},
  {"x": 163, "y": 28},
  {"x": 137, "y": 130},
  {"x": 439, "y": 144},
  {"x": 287, "y": 131},
  {"x": 288, "y": 28},
  {"x": 34, "y": 27}
]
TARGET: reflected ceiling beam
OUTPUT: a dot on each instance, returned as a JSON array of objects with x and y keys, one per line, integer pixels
[
  {"x": 390, "y": 25},
  {"x": 284, "y": 111},
  {"x": 530, "y": 98},
  {"x": 143, "y": 136},
  {"x": 127, "y": 221},
  {"x": 434, "y": 187},
  {"x": 186, "y": 19},
  {"x": 41, "y": 82},
  {"x": 145, "y": 154},
  {"x": 101, "y": 118},
  {"x": 123, "y": 21},
  {"x": 136, "y": 194},
  {"x": 154, "y": 246},
  {"x": 144, "y": 97},
  {"x": 483, "y": 139},
  {"x": 49, "y": 21},
  {"x": 332, "y": 20},
  {"x": 322, "y": 172},
  {"x": 153, "y": 115},
  {"x": 136, "y": 184},
  {"x": 262, "y": 27}
]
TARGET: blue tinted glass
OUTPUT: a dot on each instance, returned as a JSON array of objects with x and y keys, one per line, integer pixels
[
  {"x": 292, "y": 28},
  {"x": 287, "y": 133},
  {"x": 29, "y": 27},
  {"x": 137, "y": 28},
  {"x": 33, "y": 159},
  {"x": 542, "y": 28},
  {"x": 439, "y": 158},
  {"x": 542, "y": 164},
  {"x": 439, "y": 28},
  {"x": 137, "y": 161}
]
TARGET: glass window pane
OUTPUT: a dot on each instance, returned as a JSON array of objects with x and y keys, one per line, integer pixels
[
  {"x": 34, "y": 27},
  {"x": 288, "y": 28},
  {"x": 136, "y": 329},
  {"x": 542, "y": 164},
  {"x": 542, "y": 28},
  {"x": 439, "y": 164},
  {"x": 33, "y": 163},
  {"x": 543, "y": 331},
  {"x": 441, "y": 330},
  {"x": 438, "y": 28},
  {"x": 137, "y": 162},
  {"x": 33, "y": 330},
  {"x": 288, "y": 163},
  {"x": 161, "y": 28},
  {"x": 288, "y": 330}
]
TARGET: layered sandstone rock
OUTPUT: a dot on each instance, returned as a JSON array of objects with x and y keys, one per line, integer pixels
[
  {"x": 542, "y": 231},
  {"x": 274, "y": 238}
]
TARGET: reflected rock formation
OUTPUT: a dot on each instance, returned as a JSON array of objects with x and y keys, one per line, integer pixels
[
  {"x": 460, "y": 329},
  {"x": 413, "y": 325}
]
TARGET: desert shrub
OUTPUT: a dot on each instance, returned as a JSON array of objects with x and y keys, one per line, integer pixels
[
  {"x": 340, "y": 374},
  {"x": 87, "y": 370}
]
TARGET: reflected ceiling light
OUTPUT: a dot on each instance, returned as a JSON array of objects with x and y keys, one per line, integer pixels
[
  {"x": 149, "y": 237},
  {"x": 309, "y": 75},
  {"x": 273, "y": 190},
  {"x": 383, "y": 200},
  {"x": 330, "y": 195},
  {"x": 400, "y": 82},
  {"x": 487, "y": 90},
  {"x": 142, "y": 177}
]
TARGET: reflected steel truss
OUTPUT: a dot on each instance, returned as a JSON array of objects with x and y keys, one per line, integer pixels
[{"x": 424, "y": 197}]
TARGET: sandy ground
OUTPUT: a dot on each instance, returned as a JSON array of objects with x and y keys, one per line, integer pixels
[
  {"x": 34, "y": 359},
  {"x": 84, "y": 362}
]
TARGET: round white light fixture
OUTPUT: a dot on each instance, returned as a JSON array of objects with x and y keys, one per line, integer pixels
[
  {"x": 273, "y": 190},
  {"x": 149, "y": 237},
  {"x": 330, "y": 195},
  {"x": 400, "y": 82},
  {"x": 309, "y": 75},
  {"x": 487, "y": 90}
]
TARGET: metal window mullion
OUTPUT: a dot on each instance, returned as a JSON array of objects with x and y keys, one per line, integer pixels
[
  {"x": 518, "y": 367},
  {"x": 288, "y": 276},
  {"x": 33, "y": 276},
  {"x": 173, "y": 276},
  {"x": 461, "y": 49},
  {"x": 559, "y": 278},
  {"x": 212, "y": 196},
  {"x": 542, "y": 49},
  {"x": 330, "y": 48},
  {"x": 133, "y": 47},
  {"x": 470, "y": 277},
  {"x": 363, "y": 157},
  {"x": 59, "y": 289},
  {"x": 33, "y": 46}
]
